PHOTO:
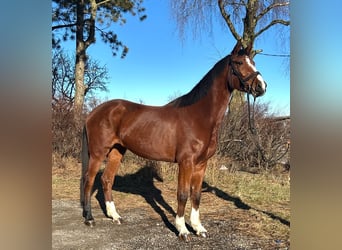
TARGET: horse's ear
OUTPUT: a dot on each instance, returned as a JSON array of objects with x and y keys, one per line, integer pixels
[{"x": 237, "y": 47}]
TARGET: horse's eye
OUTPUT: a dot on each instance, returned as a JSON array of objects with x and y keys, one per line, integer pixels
[{"x": 238, "y": 63}]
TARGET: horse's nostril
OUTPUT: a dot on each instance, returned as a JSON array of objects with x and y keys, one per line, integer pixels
[{"x": 261, "y": 86}]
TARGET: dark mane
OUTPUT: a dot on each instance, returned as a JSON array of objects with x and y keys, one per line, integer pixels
[{"x": 202, "y": 88}]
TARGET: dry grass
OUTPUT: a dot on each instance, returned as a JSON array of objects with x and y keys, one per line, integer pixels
[{"x": 258, "y": 204}]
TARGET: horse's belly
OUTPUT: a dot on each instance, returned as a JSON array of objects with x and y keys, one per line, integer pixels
[
  {"x": 153, "y": 144},
  {"x": 154, "y": 155}
]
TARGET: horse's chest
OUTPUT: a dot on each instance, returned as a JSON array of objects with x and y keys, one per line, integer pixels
[
  {"x": 212, "y": 145},
  {"x": 210, "y": 148}
]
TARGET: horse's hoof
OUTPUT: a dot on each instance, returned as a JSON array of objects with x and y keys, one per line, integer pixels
[
  {"x": 90, "y": 223},
  {"x": 118, "y": 221},
  {"x": 203, "y": 234},
  {"x": 185, "y": 237}
]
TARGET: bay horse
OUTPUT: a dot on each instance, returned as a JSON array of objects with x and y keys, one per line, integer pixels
[{"x": 184, "y": 131}]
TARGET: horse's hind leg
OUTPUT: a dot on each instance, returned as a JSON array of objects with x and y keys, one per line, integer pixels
[
  {"x": 107, "y": 179},
  {"x": 89, "y": 178}
]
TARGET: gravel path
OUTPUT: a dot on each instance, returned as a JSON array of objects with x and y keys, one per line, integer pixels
[{"x": 139, "y": 231}]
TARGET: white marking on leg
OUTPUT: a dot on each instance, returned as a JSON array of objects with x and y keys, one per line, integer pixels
[
  {"x": 180, "y": 225},
  {"x": 111, "y": 211},
  {"x": 195, "y": 221}
]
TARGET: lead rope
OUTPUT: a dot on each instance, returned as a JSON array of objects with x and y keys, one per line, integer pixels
[
  {"x": 253, "y": 129},
  {"x": 251, "y": 120}
]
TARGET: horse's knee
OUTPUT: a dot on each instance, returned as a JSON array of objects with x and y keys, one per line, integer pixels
[
  {"x": 195, "y": 199},
  {"x": 182, "y": 197}
]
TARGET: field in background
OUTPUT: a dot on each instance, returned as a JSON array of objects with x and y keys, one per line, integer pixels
[{"x": 259, "y": 204}]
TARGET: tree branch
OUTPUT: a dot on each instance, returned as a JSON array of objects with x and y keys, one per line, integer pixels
[
  {"x": 103, "y": 2},
  {"x": 274, "y": 22},
  {"x": 63, "y": 26},
  {"x": 226, "y": 17},
  {"x": 269, "y": 8},
  {"x": 280, "y": 118}
]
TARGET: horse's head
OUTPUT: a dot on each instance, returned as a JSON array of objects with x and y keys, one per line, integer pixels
[{"x": 245, "y": 76}]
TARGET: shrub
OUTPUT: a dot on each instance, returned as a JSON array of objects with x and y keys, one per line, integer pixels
[
  {"x": 261, "y": 151},
  {"x": 66, "y": 134}
]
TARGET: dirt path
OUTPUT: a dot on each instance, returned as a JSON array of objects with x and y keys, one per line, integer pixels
[
  {"x": 139, "y": 230},
  {"x": 147, "y": 205}
]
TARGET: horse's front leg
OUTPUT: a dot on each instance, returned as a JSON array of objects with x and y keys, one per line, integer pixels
[
  {"x": 183, "y": 192},
  {"x": 107, "y": 179},
  {"x": 196, "y": 186}
]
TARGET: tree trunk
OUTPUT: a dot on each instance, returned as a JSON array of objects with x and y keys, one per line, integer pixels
[
  {"x": 79, "y": 64},
  {"x": 249, "y": 25},
  {"x": 79, "y": 84}
]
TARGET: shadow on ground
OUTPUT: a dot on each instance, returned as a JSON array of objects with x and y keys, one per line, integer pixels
[
  {"x": 239, "y": 203},
  {"x": 142, "y": 183}
]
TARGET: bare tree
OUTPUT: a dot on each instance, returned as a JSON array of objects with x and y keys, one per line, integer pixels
[
  {"x": 63, "y": 78},
  {"x": 65, "y": 131},
  {"x": 246, "y": 20}
]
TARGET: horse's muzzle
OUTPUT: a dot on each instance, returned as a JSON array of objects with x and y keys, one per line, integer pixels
[{"x": 260, "y": 88}]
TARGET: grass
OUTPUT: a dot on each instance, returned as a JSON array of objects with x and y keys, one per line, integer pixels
[
  {"x": 264, "y": 200},
  {"x": 258, "y": 204}
]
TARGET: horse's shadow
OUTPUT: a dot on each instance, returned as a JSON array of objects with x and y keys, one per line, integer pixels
[
  {"x": 140, "y": 183},
  {"x": 239, "y": 203}
]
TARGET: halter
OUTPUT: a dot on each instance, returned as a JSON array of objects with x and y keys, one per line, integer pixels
[{"x": 243, "y": 81}]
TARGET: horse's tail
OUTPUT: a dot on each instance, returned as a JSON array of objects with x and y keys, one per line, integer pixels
[{"x": 85, "y": 162}]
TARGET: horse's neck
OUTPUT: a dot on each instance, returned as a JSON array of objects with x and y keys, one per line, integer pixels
[{"x": 218, "y": 98}]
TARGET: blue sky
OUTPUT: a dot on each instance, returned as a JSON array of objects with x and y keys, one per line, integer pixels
[{"x": 159, "y": 65}]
